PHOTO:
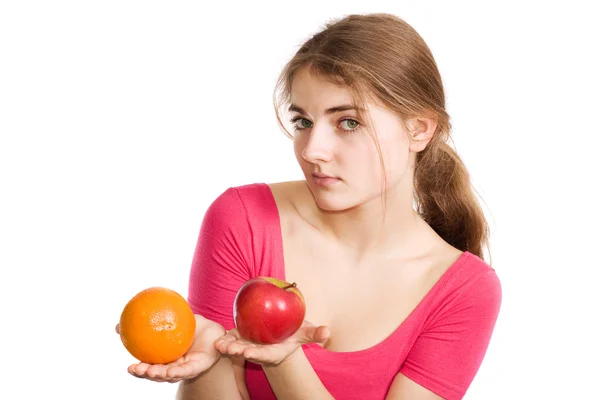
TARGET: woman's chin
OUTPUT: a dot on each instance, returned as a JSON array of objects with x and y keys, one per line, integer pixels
[{"x": 331, "y": 202}]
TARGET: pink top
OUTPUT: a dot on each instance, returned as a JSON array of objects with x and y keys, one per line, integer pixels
[{"x": 440, "y": 345}]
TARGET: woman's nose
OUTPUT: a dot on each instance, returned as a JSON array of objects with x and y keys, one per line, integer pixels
[{"x": 319, "y": 146}]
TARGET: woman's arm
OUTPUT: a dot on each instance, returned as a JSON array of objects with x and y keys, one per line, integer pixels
[
  {"x": 295, "y": 379},
  {"x": 221, "y": 264},
  {"x": 405, "y": 389},
  {"x": 288, "y": 371},
  {"x": 203, "y": 372},
  {"x": 224, "y": 381},
  {"x": 446, "y": 356},
  {"x": 218, "y": 383}
]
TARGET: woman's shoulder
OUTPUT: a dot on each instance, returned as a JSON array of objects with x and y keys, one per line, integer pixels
[
  {"x": 280, "y": 188},
  {"x": 289, "y": 191},
  {"x": 470, "y": 279},
  {"x": 284, "y": 194},
  {"x": 260, "y": 200}
]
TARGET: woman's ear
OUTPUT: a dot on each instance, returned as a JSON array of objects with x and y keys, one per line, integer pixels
[{"x": 420, "y": 133}]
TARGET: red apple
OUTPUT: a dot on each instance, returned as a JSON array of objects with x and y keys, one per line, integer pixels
[{"x": 268, "y": 310}]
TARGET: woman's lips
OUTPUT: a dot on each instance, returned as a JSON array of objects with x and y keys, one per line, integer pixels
[{"x": 324, "y": 180}]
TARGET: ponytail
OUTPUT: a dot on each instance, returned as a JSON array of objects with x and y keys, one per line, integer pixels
[{"x": 446, "y": 201}]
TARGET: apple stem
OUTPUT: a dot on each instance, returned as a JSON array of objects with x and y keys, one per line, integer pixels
[{"x": 290, "y": 286}]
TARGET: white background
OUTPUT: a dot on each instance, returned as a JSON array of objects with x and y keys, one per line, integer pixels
[{"x": 121, "y": 121}]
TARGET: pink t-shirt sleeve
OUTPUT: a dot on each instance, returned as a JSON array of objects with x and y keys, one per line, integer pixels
[
  {"x": 448, "y": 353},
  {"x": 222, "y": 259}
]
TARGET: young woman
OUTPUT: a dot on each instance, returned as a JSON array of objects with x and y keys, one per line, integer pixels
[{"x": 384, "y": 238}]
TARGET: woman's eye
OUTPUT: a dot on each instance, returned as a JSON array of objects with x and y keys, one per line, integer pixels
[
  {"x": 350, "y": 124},
  {"x": 301, "y": 123}
]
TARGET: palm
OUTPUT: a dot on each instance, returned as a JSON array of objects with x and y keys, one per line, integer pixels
[
  {"x": 235, "y": 345},
  {"x": 267, "y": 354},
  {"x": 200, "y": 357}
]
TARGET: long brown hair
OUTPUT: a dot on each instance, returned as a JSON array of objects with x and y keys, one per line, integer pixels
[{"x": 380, "y": 55}]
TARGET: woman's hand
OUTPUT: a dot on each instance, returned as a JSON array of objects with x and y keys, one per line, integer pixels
[
  {"x": 199, "y": 358},
  {"x": 271, "y": 354}
]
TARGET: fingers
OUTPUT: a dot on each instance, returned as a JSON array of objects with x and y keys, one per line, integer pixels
[
  {"x": 180, "y": 371},
  {"x": 259, "y": 354},
  {"x": 256, "y": 354},
  {"x": 228, "y": 344},
  {"x": 310, "y": 334},
  {"x": 156, "y": 373},
  {"x": 233, "y": 345},
  {"x": 186, "y": 367},
  {"x": 321, "y": 334},
  {"x": 117, "y": 329},
  {"x": 138, "y": 369},
  {"x": 188, "y": 370}
]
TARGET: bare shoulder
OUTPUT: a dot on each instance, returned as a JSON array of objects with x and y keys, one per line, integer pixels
[
  {"x": 442, "y": 259},
  {"x": 449, "y": 255},
  {"x": 294, "y": 202},
  {"x": 290, "y": 195}
]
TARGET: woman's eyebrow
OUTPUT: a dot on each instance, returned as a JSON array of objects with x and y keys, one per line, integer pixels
[{"x": 332, "y": 110}]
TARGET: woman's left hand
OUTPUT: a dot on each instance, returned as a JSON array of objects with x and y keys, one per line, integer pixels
[{"x": 271, "y": 354}]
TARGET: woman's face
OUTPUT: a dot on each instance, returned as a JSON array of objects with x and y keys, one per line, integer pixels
[{"x": 338, "y": 156}]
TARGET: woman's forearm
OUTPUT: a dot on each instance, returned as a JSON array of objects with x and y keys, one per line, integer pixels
[
  {"x": 217, "y": 383},
  {"x": 295, "y": 379}
]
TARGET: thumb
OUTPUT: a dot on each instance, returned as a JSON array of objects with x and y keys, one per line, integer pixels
[{"x": 316, "y": 334}]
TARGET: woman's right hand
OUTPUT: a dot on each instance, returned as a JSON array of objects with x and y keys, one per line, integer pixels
[{"x": 199, "y": 358}]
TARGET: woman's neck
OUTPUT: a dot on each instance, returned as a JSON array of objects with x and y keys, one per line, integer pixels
[{"x": 370, "y": 228}]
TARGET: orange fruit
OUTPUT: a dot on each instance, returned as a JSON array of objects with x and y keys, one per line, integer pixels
[{"x": 157, "y": 326}]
